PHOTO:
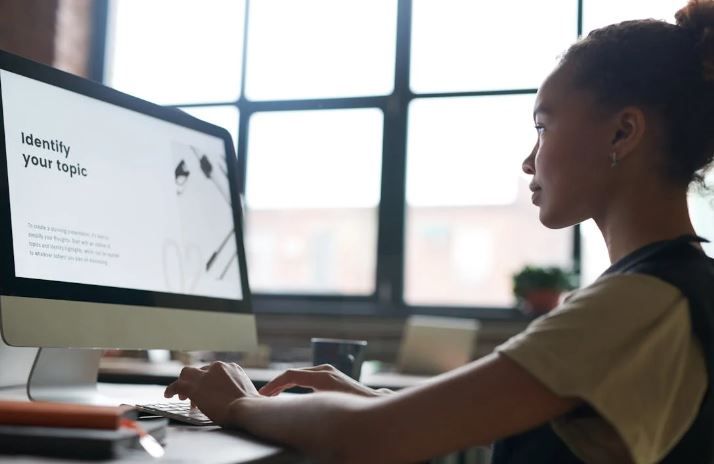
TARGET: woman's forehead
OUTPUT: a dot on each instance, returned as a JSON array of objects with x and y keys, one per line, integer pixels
[
  {"x": 558, "y": 90},
  {"x": 557, "y": 82}
]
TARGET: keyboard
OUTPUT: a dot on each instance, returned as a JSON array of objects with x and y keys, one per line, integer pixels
[{"x": 180, "y": 411}]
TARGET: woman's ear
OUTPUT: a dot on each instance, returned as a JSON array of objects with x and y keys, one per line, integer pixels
[{"x": 628, "y": 131}]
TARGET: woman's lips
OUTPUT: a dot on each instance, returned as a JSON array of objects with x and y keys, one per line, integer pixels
[{"x": 535, "y": 195}]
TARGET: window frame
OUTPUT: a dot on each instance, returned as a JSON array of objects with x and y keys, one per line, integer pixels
[{"x": 387, "y": 300}]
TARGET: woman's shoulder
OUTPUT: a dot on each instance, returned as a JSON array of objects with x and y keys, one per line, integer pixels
[
  {"x": 618, "y": 296},
  {"x": 679, "y": 262}
]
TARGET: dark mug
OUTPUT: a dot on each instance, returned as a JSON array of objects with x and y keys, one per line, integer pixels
[{"x": 345, "y": 355}]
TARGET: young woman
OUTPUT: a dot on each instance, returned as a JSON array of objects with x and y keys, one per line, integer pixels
[{"x": 620, "y": 372}]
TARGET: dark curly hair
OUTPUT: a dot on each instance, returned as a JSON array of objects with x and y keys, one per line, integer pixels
[{"x": 660, "y": 66}]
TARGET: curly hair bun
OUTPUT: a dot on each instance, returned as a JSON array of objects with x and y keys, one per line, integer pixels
[{"x": 697, "y": 17}]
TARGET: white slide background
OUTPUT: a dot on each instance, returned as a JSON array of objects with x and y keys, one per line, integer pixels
[{"x": 124, "y": 224}]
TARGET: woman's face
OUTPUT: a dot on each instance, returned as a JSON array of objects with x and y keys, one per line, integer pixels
[{"x": 570, "y": 163}]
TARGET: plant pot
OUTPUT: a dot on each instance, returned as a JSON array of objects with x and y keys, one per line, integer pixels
[{"x": 539, "y": 302}]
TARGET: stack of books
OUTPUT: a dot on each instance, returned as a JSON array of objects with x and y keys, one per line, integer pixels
[{"x": 77, "y": 431}]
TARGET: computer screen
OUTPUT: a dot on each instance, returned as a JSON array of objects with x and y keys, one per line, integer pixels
[
  {"x": 103, "y": 195},
  {"x": 120, "y": 222}
]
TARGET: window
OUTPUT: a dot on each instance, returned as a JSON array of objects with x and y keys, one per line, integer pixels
[
  {"x": 381, "y": 140},
  {"x": 470, "y": 222},
  {"x": 701, "y": 208},
  {"x": 463, "y": 45},
  {"x": 320, "y": 239},
  {"x": 320, "y": 49},
  {"x": 176, "y": 51}
]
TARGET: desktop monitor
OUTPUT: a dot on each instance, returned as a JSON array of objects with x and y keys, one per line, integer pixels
[{"x": 120, "y": 227}]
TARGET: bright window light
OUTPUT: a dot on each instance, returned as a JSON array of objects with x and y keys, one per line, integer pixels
[
  {"x": 464, "y": 45},
  {"x": 176, "y": 51},
  {"x": 320, "y": 48}
]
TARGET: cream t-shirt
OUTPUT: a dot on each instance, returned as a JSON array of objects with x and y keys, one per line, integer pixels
[{"x": 625, "y": 346}]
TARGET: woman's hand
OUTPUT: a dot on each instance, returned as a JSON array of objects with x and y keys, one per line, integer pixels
[
  {"x": 213, "y": 388},
  {"x": 319, "y": 378}
]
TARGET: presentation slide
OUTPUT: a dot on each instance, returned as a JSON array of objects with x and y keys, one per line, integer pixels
[{"x": 107, "y": 196}]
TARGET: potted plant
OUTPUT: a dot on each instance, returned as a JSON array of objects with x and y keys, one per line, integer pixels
[{"x": 538, "y": 289}]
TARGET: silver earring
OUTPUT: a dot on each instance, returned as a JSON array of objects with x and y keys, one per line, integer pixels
[{"x": 613, "y": 158}]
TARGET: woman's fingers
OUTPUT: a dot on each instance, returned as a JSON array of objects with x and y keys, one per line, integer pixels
[
  {"x": 180, "y": 387},
  {"x": 281, "y": 382},
  {"x": 320, "y": 367},
  {"x": 185, "y": 384},
  {"x": 294, "y": 378},
  {"x": 281, "y": 389},
  {"x": 191, "y": 373}
]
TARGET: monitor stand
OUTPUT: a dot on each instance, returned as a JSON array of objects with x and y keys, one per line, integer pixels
[{"x": 67, "y": 375}]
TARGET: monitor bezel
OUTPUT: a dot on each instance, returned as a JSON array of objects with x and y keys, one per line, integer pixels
[{"x": 11, "y": 285}]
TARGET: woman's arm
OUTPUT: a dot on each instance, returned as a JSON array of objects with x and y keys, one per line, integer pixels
[{"x": 473, "y": 405}]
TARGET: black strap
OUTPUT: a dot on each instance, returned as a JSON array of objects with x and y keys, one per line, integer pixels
[{"x": 647, "y": 251}]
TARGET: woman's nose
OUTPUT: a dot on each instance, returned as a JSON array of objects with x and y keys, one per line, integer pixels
[{"x": 528, "y": 166}]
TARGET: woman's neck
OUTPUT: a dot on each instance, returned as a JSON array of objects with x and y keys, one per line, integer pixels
[{"x": 643, "y": 219}]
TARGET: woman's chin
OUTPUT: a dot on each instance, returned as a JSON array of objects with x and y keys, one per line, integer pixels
[{"x": 553, "y": 221}]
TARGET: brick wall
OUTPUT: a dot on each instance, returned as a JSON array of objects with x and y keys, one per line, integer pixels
[
  {"x": 53, "y": 32},
  {"x": 27, "y": 28}
]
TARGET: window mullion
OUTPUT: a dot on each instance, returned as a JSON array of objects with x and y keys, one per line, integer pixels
[{"x": 390, "y": 241}]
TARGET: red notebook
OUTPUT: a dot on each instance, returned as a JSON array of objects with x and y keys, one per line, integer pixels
[{"x": 47, "y": 414}]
